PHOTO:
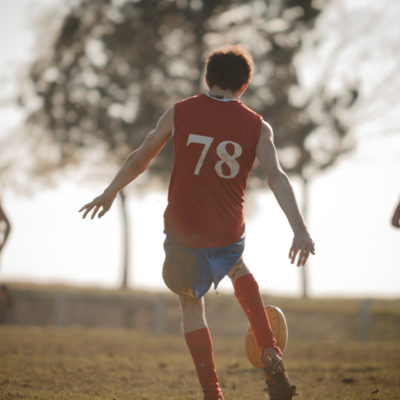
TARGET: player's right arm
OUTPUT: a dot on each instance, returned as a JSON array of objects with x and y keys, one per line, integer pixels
[
  {"x": 280, "y": 185},
  {"x": 136, "y": 162}
]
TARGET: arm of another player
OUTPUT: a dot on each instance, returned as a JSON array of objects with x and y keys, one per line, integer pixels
[
  {"x": 396, "y": 217},
  {"x": 136, "y": 163},
  {"x": 3, "y": 218},
  {"x": 280, "y": 185}
]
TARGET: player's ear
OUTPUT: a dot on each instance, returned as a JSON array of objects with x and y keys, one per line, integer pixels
[
  {"x": 207, "y": 82},
  {"x": 244, "y": 87}
]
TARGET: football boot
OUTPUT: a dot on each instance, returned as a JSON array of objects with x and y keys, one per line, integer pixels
[{"x": 279, "y": 385}]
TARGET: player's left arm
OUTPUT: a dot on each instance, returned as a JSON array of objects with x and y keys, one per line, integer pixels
[
  {"x": 396, "y": 217},
  {"x": 4, "y": 218},
  {"x": 280, "y": 185},
  {"x": 136, "y": 163}
]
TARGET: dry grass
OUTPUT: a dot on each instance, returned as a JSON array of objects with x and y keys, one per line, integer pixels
[{"x": 96, "y": 364}]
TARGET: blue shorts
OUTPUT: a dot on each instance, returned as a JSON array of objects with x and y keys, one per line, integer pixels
[{"x": 192, "y": 271}]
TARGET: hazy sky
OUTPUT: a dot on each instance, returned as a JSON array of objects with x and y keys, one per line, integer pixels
[{"x": 351, "y": 206}]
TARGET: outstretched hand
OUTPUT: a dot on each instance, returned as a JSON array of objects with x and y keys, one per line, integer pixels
[
  {"x": 302, "y": 246},
  {"x": 103, "y": 202}
]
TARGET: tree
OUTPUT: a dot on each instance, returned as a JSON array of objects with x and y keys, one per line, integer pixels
[
  {"x": 353, "y": 55},
  {"x": 112, "y": 69},
  {"x": 348, "y": 78}
]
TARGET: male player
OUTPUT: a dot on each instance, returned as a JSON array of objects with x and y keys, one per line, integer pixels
[{"x": 216, "y": 139}]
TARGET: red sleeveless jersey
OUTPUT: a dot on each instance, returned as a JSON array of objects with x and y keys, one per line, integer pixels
[{"x": 214, "y": 151}]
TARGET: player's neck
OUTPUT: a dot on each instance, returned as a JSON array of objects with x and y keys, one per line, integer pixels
[{"x": 219, "y": 93}]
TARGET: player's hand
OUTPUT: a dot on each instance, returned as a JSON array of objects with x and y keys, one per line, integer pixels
[
  {"x": 103, "y": 202},
  {"x": 301, "y": 248}
]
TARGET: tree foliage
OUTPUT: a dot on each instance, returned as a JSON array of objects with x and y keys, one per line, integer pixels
[{"x": 114, "y": 66}]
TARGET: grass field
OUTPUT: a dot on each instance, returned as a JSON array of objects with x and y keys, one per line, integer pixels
[{"x": 85, "y": 363}]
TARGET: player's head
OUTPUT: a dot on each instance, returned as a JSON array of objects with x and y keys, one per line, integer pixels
[{"x": 230, "y": 68}]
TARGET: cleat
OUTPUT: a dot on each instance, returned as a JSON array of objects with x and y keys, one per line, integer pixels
[{"x": 277, "y": 380}]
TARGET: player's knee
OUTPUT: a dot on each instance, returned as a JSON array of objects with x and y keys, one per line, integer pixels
[
  {"x": 192, "y": 309},
  {"x": 193, "y": 315},
  {"x": 238, "y": 270}
]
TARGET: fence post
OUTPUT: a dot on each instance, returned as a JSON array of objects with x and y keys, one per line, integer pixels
[{"x": 365, "y": 320}]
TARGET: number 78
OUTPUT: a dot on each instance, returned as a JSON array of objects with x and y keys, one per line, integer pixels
[{"x": 222, "y": 152}]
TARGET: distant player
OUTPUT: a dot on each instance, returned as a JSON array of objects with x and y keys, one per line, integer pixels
[{"x": 216, "y": 139}]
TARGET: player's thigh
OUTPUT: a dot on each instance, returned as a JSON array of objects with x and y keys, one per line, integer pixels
[{"x": 177, "y": 268}]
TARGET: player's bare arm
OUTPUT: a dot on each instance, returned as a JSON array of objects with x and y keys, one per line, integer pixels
[
  {"x": 136, "y": 163},
  {"x": 7, "y": 229},
  {"x": 396, "y": 217},
  {"x": 280, "y": 185}
]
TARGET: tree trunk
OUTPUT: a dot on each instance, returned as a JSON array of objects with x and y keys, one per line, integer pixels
[
  {"x": 304, "y": 211},
  {"x": 125, "y": 240}
]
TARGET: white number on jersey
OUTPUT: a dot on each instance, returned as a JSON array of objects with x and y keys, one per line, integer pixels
[
  {"x": 229, "y": 160},
  {"x": 206, "y": 141},
  {"x": 224, "y": 157}
]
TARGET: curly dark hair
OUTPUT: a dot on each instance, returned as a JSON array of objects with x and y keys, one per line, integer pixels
[{"x": 229, "y": 68}]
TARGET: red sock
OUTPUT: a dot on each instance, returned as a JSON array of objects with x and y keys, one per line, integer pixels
[
  {"x": 200, "y": 346},
  {"x": 249, "y": 297}
]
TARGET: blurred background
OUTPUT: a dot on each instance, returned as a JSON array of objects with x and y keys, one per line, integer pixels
[{"x": 82, "y": 82}]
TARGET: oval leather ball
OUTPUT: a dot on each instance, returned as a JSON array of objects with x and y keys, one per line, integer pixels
[{"x": 279, "y": 328}]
